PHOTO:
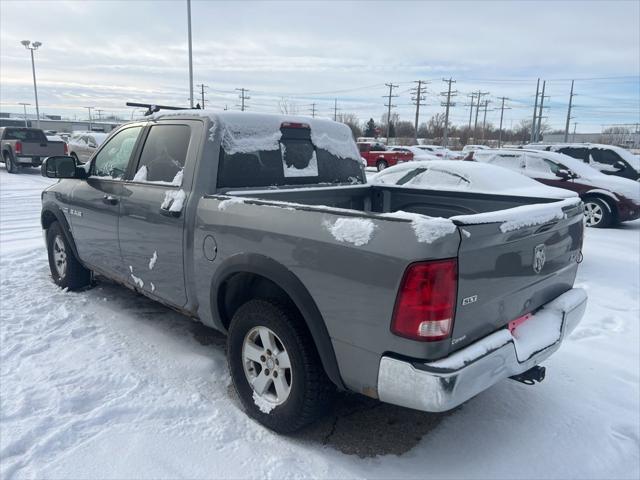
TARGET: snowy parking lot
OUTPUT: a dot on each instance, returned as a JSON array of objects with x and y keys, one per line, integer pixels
[{"x": 107, "y": 384}]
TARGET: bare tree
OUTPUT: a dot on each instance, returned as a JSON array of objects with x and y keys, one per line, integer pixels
[
  {"x": 350, "y": 120},
  {"x": 615, "y": 135},
  {"x": 287, "y": 107}
]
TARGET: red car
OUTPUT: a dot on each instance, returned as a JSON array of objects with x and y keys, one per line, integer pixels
[
  {"x": 607, "y": 199},
  {"x": 377, "y": 155}
]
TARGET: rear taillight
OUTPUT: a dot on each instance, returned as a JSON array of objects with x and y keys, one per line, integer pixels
[
  {"x": 426, "y": 301},
  {"x": 66, "y": 149},
  {"x": 294, "y": 125},
  {"x": 18, "y": 147}
]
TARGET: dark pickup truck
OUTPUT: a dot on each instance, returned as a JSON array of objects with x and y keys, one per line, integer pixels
[
  {"x": 27, "y": 147},
  {"x": 263, "y": 227}
]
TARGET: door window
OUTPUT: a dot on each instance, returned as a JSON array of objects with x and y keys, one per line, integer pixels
[
  {"x": 112, "y": 160},
  {"x": 539, "y": 167},
  {"x": 164, "y": 154},
  {"x": 511, "y": 160}
]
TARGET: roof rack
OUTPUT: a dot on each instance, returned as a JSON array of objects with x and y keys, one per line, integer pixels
[{"x": 151, "y": 108}]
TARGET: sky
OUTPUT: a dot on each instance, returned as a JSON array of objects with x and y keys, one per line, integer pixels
[{"x": 105, "y": 53}]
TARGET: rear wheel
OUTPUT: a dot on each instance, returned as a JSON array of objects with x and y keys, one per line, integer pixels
[
  {"x": 66, "y": 270},
  {"x": 381, "y": 165},
  {"x": 275, "y": 367},
  {"x": 75, "y": 157},
  {"x": 10, "y": 163},
  {"x": 597, "y": 213}
]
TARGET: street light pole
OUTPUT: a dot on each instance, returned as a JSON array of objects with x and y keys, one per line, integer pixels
[
  {"x": 24, "y": 105},
  {"x": 33, "y": 46}
]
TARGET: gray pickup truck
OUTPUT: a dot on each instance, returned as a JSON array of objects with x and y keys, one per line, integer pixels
[
  {"x": 263, "y": 227},
  {"x": 27, "y": 147}
]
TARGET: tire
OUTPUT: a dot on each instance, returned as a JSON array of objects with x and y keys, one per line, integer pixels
[
  {"x": 66, "y": 270},
  {"x": 75, "y": 157},
  {"x": 597, "y": 213},
  {"x": 381, "y": 165},
  {"x": 305, "y": 392},
  {"x": 9, "y": 163}
]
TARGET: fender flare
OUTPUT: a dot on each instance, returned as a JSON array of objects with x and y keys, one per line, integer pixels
[
  {"x": 294, "y": 288},
  {"x": 53, "y": 209},
  {"x": 604, "y": 195}
]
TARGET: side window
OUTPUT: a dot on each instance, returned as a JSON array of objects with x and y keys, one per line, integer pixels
[
  {"x": 363, "y": 147},
  {"x": 539, "y": 167},
  {"x": 112, "y": 160},
  {"x": 510, "y": 161},
  {"x": 163, "y": 154}
]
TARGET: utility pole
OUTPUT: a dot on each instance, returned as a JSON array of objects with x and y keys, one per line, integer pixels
[
  {"x": 99, "y": 111},
  {"x": 90, "y": 126},
  {"x": 479, "y": 94},
  {"x": 535, "y": 108},
  {"x": 335, "y": 109},
  {"x": 566, "y": 127},
  {"x": 243, "y": 97},
  {"x": 542, "y": 96},
  {"x": 501, "y": 117},
  {"x": 202, "y": 87},
  {"x": 484, "y": 119},
  {"x": 24, "y": 105},
  {"x": 313, "y": 110},
  {"x": 447, "y": 105},
  {"x": 575, "y": 124},
  {"x": 190, "y": 54},
  {"x": 389, "y": 105},
  {"x": 418, "y": 98},
  {"x": 473, "y": 96}
]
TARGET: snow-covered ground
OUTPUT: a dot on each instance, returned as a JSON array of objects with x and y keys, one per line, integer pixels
[{"x": 107, "y": 384}]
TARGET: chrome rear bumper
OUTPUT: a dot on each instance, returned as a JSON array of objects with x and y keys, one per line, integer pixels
[{"x": 444, "y": 384}]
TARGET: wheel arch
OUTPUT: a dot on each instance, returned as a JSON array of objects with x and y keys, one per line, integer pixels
[
  {"x": 246, "y": 276},
  {"x": 52, "y": 213},
  {"x": 609, "y": 199}
]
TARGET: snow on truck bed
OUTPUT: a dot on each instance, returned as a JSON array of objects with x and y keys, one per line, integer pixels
[{"x": 107, "y": 384}]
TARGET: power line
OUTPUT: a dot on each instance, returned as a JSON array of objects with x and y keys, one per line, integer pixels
[
  {"x": 502, "y": 108},
  {"x": 566, "y": 128}
]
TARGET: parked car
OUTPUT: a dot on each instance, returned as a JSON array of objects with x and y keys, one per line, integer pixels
[
  {"x": 441, "y": 152},
  {"x": 466, "y": 177},
  {"x": 82, "y": 145},
  {"x": 608, "y": 200},
  {"x": 418, "y": 154},
  {"x": 608, "y": 159},
  {"x": 377, "y": 155},
  {"x": 472, "y": 148},
  {"x": 27, "y": 147},
  {"x": 262, "y": 226}
]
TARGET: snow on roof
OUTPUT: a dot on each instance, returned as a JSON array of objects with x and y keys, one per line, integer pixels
[{"x": 244, "y": 132}]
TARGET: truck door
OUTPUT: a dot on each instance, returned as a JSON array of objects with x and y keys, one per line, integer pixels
[
  {"x": 151, "y": 230},
  {"x": 96, "y": 203}
]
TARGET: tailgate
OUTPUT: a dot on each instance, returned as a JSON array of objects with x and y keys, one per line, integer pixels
[
  {"x": 512, "y": 267},
  {"x": 42, "y": 149}
]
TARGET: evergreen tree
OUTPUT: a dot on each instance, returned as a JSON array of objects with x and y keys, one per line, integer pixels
[{"x": 370, "y": 131}]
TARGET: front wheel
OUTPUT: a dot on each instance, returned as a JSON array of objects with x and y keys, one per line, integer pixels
[
  {"x": 381, "y": 165},
  {"x": 597, "y": 213},
  {"x": 275, "y": 367},
  {"x": 66, "y": 270}
]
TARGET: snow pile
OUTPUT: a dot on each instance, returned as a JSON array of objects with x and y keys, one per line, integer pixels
[
  {"x": 173, "y": 200},
  {"x": 223, "y": 205},
  {"x": 520, "y": 217},
  {"x": 264, "y": 405},
  {"x": 137, "y": 280},
  {"x": 153, "y": 260},
  {"x": 427, "y": 229},
  {"x": 357, "y": 231},
  {"x": 311, "y": 170},
  {"x": 142, "y": 173}
]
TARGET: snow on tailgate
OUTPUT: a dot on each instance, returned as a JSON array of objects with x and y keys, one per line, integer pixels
[{"x": 520, "y": 217}]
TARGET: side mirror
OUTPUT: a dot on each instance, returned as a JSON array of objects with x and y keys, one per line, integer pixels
[
  {"x": 92, "y": 144},
  {"x": 564, "y": 174},
  {"x": 61, "y": 167}
]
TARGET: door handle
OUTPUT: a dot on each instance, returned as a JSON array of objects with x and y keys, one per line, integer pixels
[
  {"x": 170, "y": 213},
  {"x": 110, "y": 200}
]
